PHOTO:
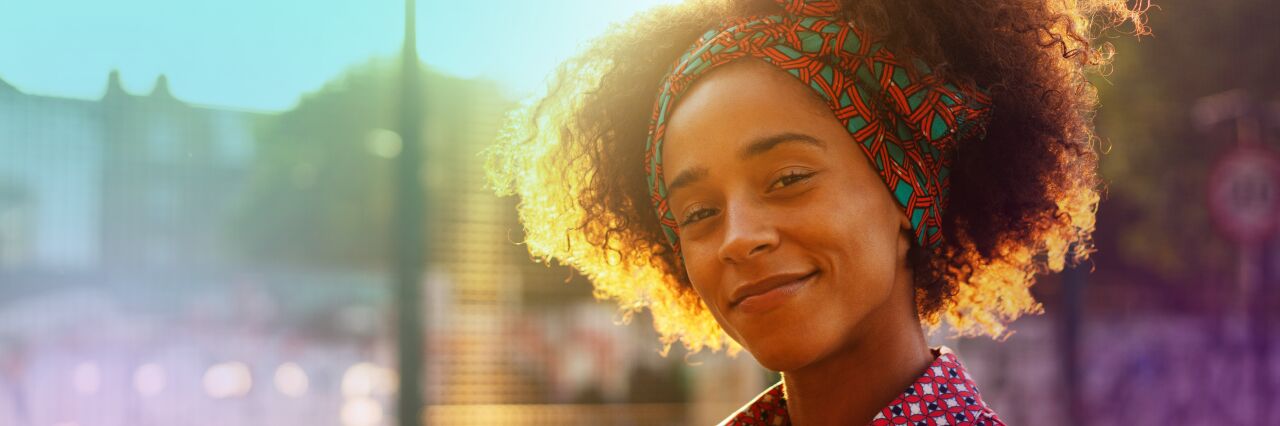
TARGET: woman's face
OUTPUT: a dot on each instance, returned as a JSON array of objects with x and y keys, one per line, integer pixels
[{"x": 772, "y": 196}]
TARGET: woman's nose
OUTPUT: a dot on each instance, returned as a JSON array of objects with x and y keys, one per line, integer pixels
[{"x": 749, "y": 232}]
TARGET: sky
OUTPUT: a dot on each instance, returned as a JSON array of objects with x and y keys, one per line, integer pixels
[{"x": 262, "y": 55}]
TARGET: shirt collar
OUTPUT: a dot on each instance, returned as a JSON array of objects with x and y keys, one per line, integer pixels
[{"x": 944, "y": 394}]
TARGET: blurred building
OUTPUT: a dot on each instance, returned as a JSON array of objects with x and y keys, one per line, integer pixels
[
  {"x": 50, "y": 162},
  {"x": 170, "y": 173},
  {"x": 117, "y": 183}
]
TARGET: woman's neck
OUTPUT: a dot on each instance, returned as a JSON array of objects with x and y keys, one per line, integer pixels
[{"x": 857, "y": 381}]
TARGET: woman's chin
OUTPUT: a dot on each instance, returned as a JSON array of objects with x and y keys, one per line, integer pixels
[
  {"x": 783, "y": 357},
  {"x": 784, "y": 348}
]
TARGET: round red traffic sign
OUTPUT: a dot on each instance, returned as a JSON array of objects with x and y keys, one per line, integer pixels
[{"x": 1244, "y": 194}]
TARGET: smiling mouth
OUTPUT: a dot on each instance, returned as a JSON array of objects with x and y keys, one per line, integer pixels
[{"x": 773, "y": 297}]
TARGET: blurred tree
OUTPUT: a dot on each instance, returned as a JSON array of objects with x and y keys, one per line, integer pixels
[
  {"x": 321, "y": 188},
  {"x": 1156, "y": 162}
]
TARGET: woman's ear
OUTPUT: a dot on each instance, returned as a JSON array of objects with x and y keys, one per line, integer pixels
[{"x": 905, "y": 235}]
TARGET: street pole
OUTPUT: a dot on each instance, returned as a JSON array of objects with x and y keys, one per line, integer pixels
[
  {"x": 1244, "y": 202},
  {"x": 408, "y": 233},
  {"x": 1074, "y": 279}
]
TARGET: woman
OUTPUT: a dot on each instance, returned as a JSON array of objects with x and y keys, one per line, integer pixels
[{"x": 815, "y": 181}]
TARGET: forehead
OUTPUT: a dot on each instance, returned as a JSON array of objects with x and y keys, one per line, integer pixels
[{"x": 739, "y": 102}]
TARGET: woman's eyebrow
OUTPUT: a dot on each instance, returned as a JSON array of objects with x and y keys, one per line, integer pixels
[
  {"x": 686, "y": 178},
  {"x": 762, "y": 145},
  {"x": 755, "y": 148}
]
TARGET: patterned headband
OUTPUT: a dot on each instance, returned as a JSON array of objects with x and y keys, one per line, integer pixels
[{"x": 904, "y": 117}]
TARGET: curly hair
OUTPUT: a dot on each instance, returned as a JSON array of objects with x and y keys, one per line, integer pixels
[{"x": 574, "y": 156}]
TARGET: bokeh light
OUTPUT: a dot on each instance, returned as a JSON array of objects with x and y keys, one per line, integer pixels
[
  {"x": 368, "y": 379},
  {"x": 227, "y": 380},
  {"x": 291, "y": 379},
  {"x": 361, "y": 411},
  {"x": 149, "y": 379}
]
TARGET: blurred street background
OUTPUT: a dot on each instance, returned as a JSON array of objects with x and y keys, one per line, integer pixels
[{"x": 202, "y": 222}]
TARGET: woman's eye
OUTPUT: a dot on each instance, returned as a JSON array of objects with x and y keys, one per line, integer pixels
[
  {"x": 790, "y": 179},
  {"x": 697, "y": 215}
]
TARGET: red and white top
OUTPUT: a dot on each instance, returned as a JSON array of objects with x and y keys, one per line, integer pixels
[{"x": 943, "y": 395}]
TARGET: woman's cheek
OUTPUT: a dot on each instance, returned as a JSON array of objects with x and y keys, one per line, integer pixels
[{"x": 701, "y": 275}]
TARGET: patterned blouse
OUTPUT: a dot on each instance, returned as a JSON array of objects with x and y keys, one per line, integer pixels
[{"x": 944, "y": 395}]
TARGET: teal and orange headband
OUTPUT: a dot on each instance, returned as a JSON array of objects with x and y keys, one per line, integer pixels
[{"x": 903, "y": 116}]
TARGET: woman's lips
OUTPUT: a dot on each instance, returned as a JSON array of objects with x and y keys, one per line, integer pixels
[{"x": 774, "y": 297}]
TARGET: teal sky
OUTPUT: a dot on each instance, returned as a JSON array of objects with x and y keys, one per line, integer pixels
[{"x": 263, "y": 54}]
